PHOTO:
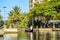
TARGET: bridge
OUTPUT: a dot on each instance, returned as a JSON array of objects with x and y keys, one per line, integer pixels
[
  {"x": 1, "y": 32},
  {"x": 12, "y": 30},
  {"x": 8, "y": 30}
]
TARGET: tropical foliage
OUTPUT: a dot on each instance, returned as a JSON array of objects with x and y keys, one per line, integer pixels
[
  {"x": 49, "y": 9},
  {"x": 17, "y": 18},
  {"x": 45, "y": 11}
]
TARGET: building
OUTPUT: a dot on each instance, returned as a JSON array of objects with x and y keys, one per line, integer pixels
[{"x": 32, "y": 2}]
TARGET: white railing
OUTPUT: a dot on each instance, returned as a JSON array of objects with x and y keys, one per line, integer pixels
[{"x": 11, "y": 30}]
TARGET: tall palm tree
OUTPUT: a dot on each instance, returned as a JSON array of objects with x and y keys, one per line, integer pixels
[{"x": 14, "y": 14}]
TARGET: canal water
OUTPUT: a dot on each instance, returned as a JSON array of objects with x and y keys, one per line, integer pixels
[{"x": 36, "y": 35}]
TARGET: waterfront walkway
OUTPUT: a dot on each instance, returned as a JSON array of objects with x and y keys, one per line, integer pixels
[
  {"x": 15, "y": 30},
  {"x": 3, "y": 31},
  {"x": 8, "y": 30}
]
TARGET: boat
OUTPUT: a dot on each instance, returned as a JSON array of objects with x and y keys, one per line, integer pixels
[{"x": 29, "y": 29}]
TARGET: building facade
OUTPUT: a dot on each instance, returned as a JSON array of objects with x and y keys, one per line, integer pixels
[{"x": 32, "y": 2}]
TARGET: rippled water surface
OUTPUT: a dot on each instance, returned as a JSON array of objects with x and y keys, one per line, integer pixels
[{"x": 22, "y": 35}]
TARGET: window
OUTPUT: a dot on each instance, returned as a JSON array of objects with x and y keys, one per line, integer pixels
[
  {"x": 35, "y": 0},
  {"x": 31, "y": 1},
  {"x": 31, "y": 5}
]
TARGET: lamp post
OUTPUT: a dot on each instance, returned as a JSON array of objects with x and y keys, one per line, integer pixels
[
  {"x": 0, "y": 12},
  {"x": 4, "y": 18},
  {"x": 0, "y": 15},
  {"x": 4, "y": 13}
]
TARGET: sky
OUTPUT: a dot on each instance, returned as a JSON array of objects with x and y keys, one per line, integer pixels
[{"x": 23, "y": 4}]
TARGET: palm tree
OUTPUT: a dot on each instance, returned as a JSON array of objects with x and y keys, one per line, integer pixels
[{"x": 14, "y": 14}]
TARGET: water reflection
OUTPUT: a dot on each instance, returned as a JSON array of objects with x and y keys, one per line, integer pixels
[
  {"x": 36, "y": 35},
  {"x": 1, "y": 38},
  {"x": 54, "y": 35},
  {"x": 10, "y": 36},
  {"x": 29, "y": 35},
  {"x": 57, "y": 36},
  {"x": 22, "y": 35}
]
